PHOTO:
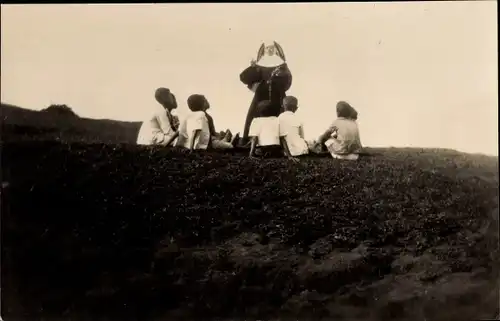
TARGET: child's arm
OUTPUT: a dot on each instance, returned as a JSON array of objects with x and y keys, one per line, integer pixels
[
  {"x": 324, "y": 137},
  {"x": 285, "y": 147},
  {"x": 253, "y": 143},
  {"x": 164, "y": 121},
  {"x": 328, "y": 133},
  {"x": 301, "y": 131},
  {"x": 253, "y": 133},
  {"x": 196, "y": 134},
  {"x": 172, "y": 138},
  {"x": 159, "y": 131},
  {"x": 358, "y": 142},
  {"x": 195, "y": 126},
  {"x": 158, "y": 137}
]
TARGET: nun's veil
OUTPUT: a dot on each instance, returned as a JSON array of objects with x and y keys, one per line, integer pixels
[{"x": 266, "y": 60}]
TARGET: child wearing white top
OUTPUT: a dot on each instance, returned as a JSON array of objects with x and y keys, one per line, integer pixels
[
  {"x": 291, "y": 130},
  {"x": 160, "y": 128},
  {"x": 195, "y": 130},
  {"x": 342, "y": 137},
  {"x": 264, "y": 131}
]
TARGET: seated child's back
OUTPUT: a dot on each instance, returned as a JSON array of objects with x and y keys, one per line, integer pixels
[
  {"x": 197, "y": 131},
  {"x": 194, "y": 130},
  {"x": 291, "y": 128},
  {"x": 344, "y": 139},
  {"x": 160, "y": 128},
  {"x": 265, "y": 127}
]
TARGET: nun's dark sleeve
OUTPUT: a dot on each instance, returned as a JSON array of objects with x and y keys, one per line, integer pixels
[
  {"x": 251, "y": 75},
  {"x": 284, "y": 79},
  {"x": 280, "y": 84}
]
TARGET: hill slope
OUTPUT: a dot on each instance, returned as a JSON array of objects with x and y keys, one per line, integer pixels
[
  {"x": 122, "y": 232},
  {"x": 24, "y": 124}
]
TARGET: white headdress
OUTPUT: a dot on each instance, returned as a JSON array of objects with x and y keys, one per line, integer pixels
[{"x": 270, "y": 55}]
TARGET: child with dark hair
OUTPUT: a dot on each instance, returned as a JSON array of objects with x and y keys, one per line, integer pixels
[
  {"x": 264, "y": 131},
  {"x": 344, "y": 110},
  {"x": 160, "y": 128},
  {"x": 342, "y": 138},
  {"x": 197, "y": 129},
  {"x": 291, "y": 130}
]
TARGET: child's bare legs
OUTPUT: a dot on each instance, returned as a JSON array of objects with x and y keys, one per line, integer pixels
[
  {"x": 352, "y": 156},
  {"x": 220, "y": 144},
  {"x": 253, "y": 146},
  {"x": 226, "y": 142},
  {"x": 227, "y": 136},
  {"x": 315, "y": 147},
  {"x": 346, "y": 157},
  {"x": 235, "y": 139}
]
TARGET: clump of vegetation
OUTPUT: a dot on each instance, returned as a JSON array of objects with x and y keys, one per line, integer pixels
[{"x": 60, "y": 110}]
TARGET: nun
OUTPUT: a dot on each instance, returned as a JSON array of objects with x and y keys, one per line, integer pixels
[{"x": 269, "y": 78}]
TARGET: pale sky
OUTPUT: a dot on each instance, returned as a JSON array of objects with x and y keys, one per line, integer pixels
[{"x": 420, "y": 74}]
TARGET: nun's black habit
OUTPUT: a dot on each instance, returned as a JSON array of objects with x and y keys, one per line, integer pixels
[{"x": 269, "y": 79}]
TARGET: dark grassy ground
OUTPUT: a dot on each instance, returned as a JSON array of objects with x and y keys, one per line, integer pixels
[{"x": 116, "y": 231}]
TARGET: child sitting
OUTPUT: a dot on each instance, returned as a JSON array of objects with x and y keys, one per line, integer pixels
[
  {"x": 196, "y": 131},
  {"x": 217, "y": 138},
  {"x": 160, "y": 128},
  {"x": 291, "y": 130},
  {"x": 342, "y": 137},
  {"x": 264, "y": 132}
]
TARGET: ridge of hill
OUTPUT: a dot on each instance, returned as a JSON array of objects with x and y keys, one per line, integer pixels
[
  {"x": 23, "y": 124},
  {"x": 124, "y": 232}
]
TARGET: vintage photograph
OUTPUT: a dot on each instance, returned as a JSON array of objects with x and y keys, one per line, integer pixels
[{"x": 250, "y": 161}]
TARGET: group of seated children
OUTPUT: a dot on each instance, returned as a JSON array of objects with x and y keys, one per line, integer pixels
[
  {"x": 285, "y": 134},
  {"x": 195, "y": 131},
  {"x": 269, "y": 135}
]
